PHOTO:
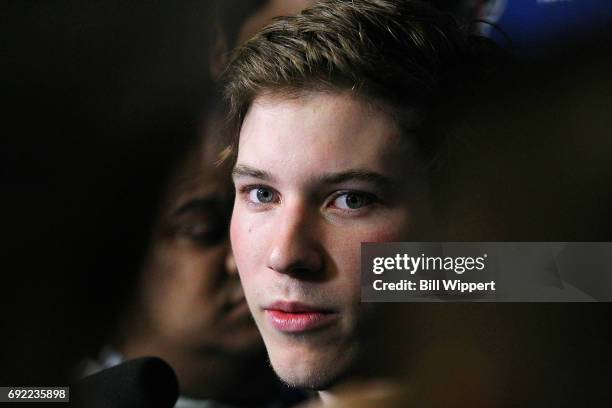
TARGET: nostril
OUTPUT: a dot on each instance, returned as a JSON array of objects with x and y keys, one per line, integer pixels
[
  {"x": 303, "y": 274},
  {"x": 299, "y": 270},
  {"x": 303, "y": 271}
]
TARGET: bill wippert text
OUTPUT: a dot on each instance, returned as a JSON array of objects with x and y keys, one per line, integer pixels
[{"x": 434, "y": 285}]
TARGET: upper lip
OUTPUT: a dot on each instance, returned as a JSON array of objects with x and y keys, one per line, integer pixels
[{"x": 296, "y": 307}]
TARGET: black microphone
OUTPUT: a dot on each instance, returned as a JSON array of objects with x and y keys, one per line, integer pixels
[{"x": 147, "y": 382}]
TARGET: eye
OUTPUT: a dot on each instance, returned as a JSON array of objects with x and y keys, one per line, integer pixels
[
  {"x": 350, "y": 201},
  {"x": 201, "y": 223},
  {"x": 208, "y": 233},
  {"x": 262, "y": 195}
]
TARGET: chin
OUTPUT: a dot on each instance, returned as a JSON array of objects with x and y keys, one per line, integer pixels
[{"x": 312, "y": 369}]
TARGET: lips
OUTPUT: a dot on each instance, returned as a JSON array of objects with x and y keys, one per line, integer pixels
[{"x": 295, "y": 317}]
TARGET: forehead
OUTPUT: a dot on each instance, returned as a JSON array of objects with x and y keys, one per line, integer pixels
[{"x": 317, "y": 132}]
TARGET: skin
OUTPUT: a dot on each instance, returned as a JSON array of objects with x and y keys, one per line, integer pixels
[{"x": 315, "y": 176}]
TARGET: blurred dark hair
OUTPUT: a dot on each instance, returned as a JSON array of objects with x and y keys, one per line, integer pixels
[{"x": 230, "y": 15}]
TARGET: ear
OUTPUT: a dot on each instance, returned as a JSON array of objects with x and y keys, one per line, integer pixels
[{"x": 219, "y": 52}]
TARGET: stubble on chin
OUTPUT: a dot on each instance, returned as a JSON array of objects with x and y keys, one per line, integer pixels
[{"x": 312, "y": 368}]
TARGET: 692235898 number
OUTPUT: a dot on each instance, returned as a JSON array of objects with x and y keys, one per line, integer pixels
[{"x": 33, "y": 394}]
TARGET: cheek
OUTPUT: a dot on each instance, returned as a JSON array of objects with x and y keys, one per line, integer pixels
[
  {"x": 247, "y": 243},
  {"x": 344, "y": 247},
  {"x": 161, "y": 278},
  {"x": 396, "y": 226},
  {"x": 349, "y": 239},
  {"x": 184, "y": 273},
  {"x": 384, "y": 234}
]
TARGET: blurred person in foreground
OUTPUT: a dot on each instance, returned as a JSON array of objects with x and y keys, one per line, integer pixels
[
  {"x": 189, "y": 308},
  {"x": 337, "y": 115}
]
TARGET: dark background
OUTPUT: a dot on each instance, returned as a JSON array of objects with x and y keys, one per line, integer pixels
[{"x": 101, "y": 97}]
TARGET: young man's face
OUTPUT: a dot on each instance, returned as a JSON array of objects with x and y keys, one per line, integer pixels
[{"x": 315, "y": 176}]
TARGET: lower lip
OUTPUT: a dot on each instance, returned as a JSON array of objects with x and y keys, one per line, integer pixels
[{"x": 299, "y": 321}]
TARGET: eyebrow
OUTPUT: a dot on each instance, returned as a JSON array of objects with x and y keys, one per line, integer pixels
[
  {"x": 357, "y": 175},
  {"x": 242, "y": 170}
]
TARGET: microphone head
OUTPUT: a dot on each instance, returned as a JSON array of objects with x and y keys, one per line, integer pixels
[{"x": 147, "y": 382}]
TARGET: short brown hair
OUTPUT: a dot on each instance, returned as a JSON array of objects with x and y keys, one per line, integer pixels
[{"x": 402, "y": 54}]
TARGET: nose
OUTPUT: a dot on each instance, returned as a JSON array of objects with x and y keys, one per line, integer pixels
[{"x": 295, "y": 249}]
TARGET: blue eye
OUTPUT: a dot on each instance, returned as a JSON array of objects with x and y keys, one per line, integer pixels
[
  {"x": 352, "y": 201},
  {"x": 261, "y": 195}
]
